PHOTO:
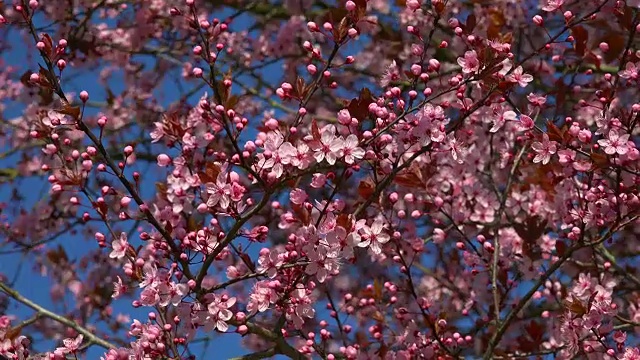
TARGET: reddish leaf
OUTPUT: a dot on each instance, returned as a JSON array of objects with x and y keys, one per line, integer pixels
[
  {"x": 24, "y": 79},
  {"x": 57, "y": 256},
  {"x": 299, "y": 88},
  {"x": 594, "y": 59},
  {"x": 361, "y": 9},
  {"x": 13, "y": 333},
  {"x": 48, "y": 44},
  {"x": 161, "y": 189},
  {"x": 530, "y": 231},
  {"x": 302, "y": 214},
  {"x": 575, "y": 306},
  {"x": 246, "y": 259},
  {"x": 231, "y": 102},
  {"x": 496, "y": 23},
  {"x": 625, "y": 17},
  {"x": 344, "y": 220},
  {"x": 592, "y": 298},
  {"x": 535, "y": 331},
  {"x": 315, "y": 132},
  {"x": 599, "y": 160},
  {"x": 366, "y": 189},
  {"x": 561, "y": 248},
  {"x": 73, "y": 111},
  {"x": 409, "y": 179},
  {"x": 616, "y": 46},
  {"x": 581, "y": 36},
  {"x": 359, "y": 107},
  {"x": 561, "y": 92},
  {"x": 377, "y": 289},
  {"x": 470, "y": 24},
  {"x": 555, "y": 134}
]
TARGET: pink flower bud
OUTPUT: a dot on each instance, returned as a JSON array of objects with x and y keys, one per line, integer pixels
[
  {"x": 604, "y": 46},
  {"x": 350, "y": 5},
  {"x": 344, "y": 117},
  {"x": 125, "y": 201},
  {"x": 164, "y": 160},
  {"x": 538, "y": 20},
  {"x": 84, "y": 96},
  {"x": 313, "y": 27},
  {"x": 413, "y": 5}
]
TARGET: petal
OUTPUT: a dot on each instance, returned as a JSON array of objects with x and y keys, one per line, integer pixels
[{"x": 222, "y": 326}]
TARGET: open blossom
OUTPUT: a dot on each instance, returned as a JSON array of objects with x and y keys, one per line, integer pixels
[
  {"x": 55, "y": 118},
  {"x": 457, "y": 148},
  {"x": 525, "y": 123},
  {"x": 118, "y": 288},
  {"x": 392, "y": 74},
  {"x": 329, "y": 146},
  {"x": 298, "y": 196},
  {"x": 318, "y": 180},
  {"x": 470, "y": 62},
  {"x": 631, "y": 354},
  {"x": 350, "y": 149},
  {"x": 119, "y": 246},
  {"x": 262, "y": 296},
  {"x": 276, "y": 152},
  {"x": 553, "y": 5},
  {"x": 219, "y": 192},
  {"x": 544, "y": 150},
  {"x": 374, "y": 236},
  {"x": 517, "y": 76},
  {"x": 615, "y": 143},
  {"x": 630, "y": 71},
  {"x": 219, "y": 308},
  {"x": 324, "y": 260},
  {"x": 70, "y": 345},
  {"x": 536, "y": 100},
  {"x": 499, "y": 121}
]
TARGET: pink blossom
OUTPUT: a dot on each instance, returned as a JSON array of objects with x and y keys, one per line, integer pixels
[
  {"x": 457, "y": 149},
  {"x": 615, "y": 143},
  {"x": 119, "y": 246},
  {"x": 329, "y": 146},
  {"x": 630, "y": 71},
  {"x": 544, "y": 150},
  {"x": 553, "y": 5},
  {"x": 262, "y": 296},
  {"x": 392, "y": 74},
  {"x": 298, "y": 196},
  {"x": 631, "y": 354},
  {"x": 318, "y": 180},
  {"x": 71, "y": 346},
  {"x": 219, "y": 192},
  {"x": 350, "y": 149},
  {"x": 536, "y": 100},
  {"x": 470, "y": 62},
  {"x": 498, "y": 123},
  {"x": 517, "y": 76},
  {"x": 374, "y": 236},
  {"x": 118, "y": 288},
  {"x": 219, "y": 308}
]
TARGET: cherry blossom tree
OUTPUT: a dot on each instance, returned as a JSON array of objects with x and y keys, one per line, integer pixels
[{"x": 360, "y": 179}]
